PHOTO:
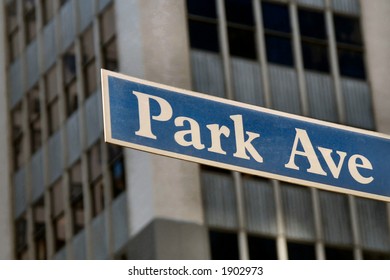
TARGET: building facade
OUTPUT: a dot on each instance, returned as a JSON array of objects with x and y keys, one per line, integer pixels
[{"x": 65, "y": 194}]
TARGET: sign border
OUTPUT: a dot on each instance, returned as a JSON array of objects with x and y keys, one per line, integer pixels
[{"x": 108, "y": 137}]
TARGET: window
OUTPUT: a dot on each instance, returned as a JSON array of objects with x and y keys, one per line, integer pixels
[
  {"x": 34, "y": 116},
  {"x": 301, "y": 251},
  {"x": 13, "y": 30},
  {"x": 76, "y": 197},
  {"x": 372, "y": 255},
  {"x": 21, "y": 238},
  {"x": 261, "y": 248},
  {"x": 117, "y": 169},
  {"x": 202, "y": 25},
  {"x": 335, "y": 253},
  {"x": 349, "y": 46},
  {"x": 277, "y": 31},
  {"x": 88, "y": 61},
  {"x": 314, "y": 40},
  {"x": 70, "y": 81},
  {"x": 30, "y": 20},
  {"x": 47, "y": 10},
  {"x": 58, "y": 215},
  {"x": 52, "y": 105},
  {"x": 109, "y": 45},
  {"x": 39, "y": 229},
  {"x": 96, "y": 179},
  {"x": 241, "y": 34},
  {"x": 224, "y": 245},
  {"x": 17, "y": 136}
]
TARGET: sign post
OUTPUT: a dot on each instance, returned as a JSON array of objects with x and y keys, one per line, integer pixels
[{"x": 209, "y": 130}]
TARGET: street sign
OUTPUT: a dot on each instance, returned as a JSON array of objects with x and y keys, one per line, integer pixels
[{"x": 209, "y": 130}]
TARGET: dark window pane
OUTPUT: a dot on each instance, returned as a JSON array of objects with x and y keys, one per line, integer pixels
[
  {"x": 94, "y": 162},
  {"x": 262, "y": 248},
  {"x": 31, "y": 26},
  {"x": 315, "y": 57},
  {"x": 242, "y": 42},
  {"x": 298, "y": 251},
  {"x": 69, "y": 64},
  {"x": 57, "y": 199},
  {"x": 107, "y": 24},
  {"x": 338, "y": 253},
  {"x": 239, "y": 11},
  {"x": 279, "y": 50},
  {"x": 87, "y": 45},
  {"x": 12, "y": 16},
  {"x": 53, "y": 116},
  {"x": 351, "y": 63},
  {"x": 312, "y": 24},
  {"x": 39, "y": 217},
  {"x": 90, "y": 78},
  {"x": 76, "y": 197},
  {"x": 202, "y": 8},
  {"x": 71, "y": 97},
  {"x": 40, "y": 247},
  {"x": 224, "y": 245},
  {"x": 35, "y": 134},
  {"x": 47, "y": 10},
  {"x": 59, "y": 232},
  {"x": 117, "y": 170},
  {"x": 97, "y": 195},
  {"x": 51, "y": 84},
  {"x": 14, "y": 45},
  {"x": 347, "y": 30},
  {"x": 110, "y": 55},
  {"x": 276, "y": 17},
  {"x": 21, "y": 235},
  {"x": 371, "y": 255},
  {"x": 203, "y": 36}
]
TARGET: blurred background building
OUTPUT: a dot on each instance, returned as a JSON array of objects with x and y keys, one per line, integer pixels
[{"x": 65, "y": 194}]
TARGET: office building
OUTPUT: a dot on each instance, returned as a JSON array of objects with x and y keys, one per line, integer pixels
[{"x": 65, "y": 194}]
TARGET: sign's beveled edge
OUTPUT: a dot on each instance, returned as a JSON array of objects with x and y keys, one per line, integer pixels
[{"x": 108, "y": 137}]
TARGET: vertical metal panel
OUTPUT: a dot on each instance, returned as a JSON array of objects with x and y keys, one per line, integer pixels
[
  {"x": 73, "y": 138},
  {"x": 358, "y": 105},
  {"x": 373, "y": 224},
  {"x": 298, "y": 212},
  {"x": 20, "y": 200},
  {"x": 49, "y": 44},
  {"x": 260, "y": 205},
  {"x": 14, "y": 82},
  {"x": 79, "y": 246},
  {"x": 103, "y": 4},
  {"x": 207, "y": 73},
  {"x": 67, "y": 25},
  {"x": 284, "y": 89},
  {"x": 85, "y": 12},
  {"x": 322, "y": 100},
  {"x": 32, "y": 64},
  {"x": 336, "y": 220},
  {"x": 61, "y": 255},
  {"x": 219, "y": 199},
  {"x": 247, "y": 81},
  {"x": 93, "y": 119},
  {"x": 37, "y": 181},
  {"x": 346, "y": 6},
  {"x": 314, "y": 3},
  {"x": 55, "y": 157},
  {"x": 99, "y": 238},
  {"x": 119, "y": 222}
]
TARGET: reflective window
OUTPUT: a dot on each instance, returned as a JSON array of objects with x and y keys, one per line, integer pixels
[
  {"x": 261, "y": 248},
  {"x": 277, "y": 32},
  {"x": 224, "y": 245},
  {"x": 117, "y": 169}
]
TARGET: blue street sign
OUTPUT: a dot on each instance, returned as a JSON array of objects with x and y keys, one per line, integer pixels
[{"x": 205, "y": 129}]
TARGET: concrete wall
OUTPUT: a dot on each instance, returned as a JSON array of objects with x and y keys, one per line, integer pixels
[
  {"x": 376, "y": 30},
  {"x": 153, "y": 45}
]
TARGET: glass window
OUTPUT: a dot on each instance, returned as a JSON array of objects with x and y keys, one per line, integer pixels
[
  {"x": 107, "y": 25},
  {"x": 71, "y": 97},
  {"x": 39, "y": 229},
  {"x": 117, "y": 169},
  {"x": 30, "y": 20},
  {"x": 202, "y": 8},
  {"x": 315, "y": 56},
  {"x": 97, "y": 196},
  {"x": 57, "y": 214},
  {"x": 12, "y": 30},
  {"x": 51, "y": 84},
  {"x": 95, "y": 161},
  {"x": 347, "y": 30},
  {"x": 47, "y": 10},
  {"x": 312, "y": 24},
  {"x": 76, "y": 197},
  {"x": 301, "y": 251},
  {"x": 261, "y": 248},
  {"x": 12, "y": 15},
  {"x": 239, "y": 11},
  {"x": 21, "y": 237},
  {"x": 224, "y": 245},
  {"x": 203, "y": 35},
  {"x": 242, "y": 42},
  {"x": 96, "y": 179},
  {"x": 90, "y": 78},
  {"x": 334, "y": 253},
  {"x": 87, "y": 45},
  {"x": 53, "y": 116},
  {"x": 372, "y": 255},
  {"x": 17, "y": 136},
  {"x": 69, "y": 64},
  {"x": 34, "y": 116},
  {"x": 351, "y": 63},
  {"x": 110, "y": 55},
  {"x": 276, "y": 21}
]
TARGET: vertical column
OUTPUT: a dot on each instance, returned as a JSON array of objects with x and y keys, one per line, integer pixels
[{"x": 162, "y": 193}]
